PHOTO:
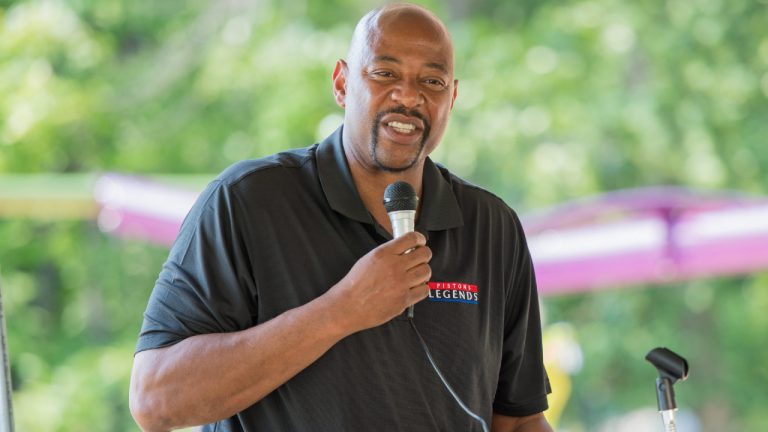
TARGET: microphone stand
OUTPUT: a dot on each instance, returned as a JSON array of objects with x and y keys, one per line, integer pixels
[
  {"x": 6, "y": 412},
  {"x": 671, "y": 368},
  {"x": 665, "y": 394}
]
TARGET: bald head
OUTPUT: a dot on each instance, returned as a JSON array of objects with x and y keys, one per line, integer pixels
[{"x": 408, "y": 19}]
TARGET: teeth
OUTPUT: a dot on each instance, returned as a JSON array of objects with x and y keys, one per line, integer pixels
[{"x": 402, "y": 127}]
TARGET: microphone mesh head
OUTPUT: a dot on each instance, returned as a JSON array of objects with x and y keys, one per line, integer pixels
[{"x": 400, "y": 196}]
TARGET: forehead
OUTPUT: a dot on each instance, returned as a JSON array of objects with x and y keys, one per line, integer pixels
[{"x": 407, "y": 35}]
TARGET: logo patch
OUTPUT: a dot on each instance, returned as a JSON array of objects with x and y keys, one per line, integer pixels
[{"x": 454, "y": 292}]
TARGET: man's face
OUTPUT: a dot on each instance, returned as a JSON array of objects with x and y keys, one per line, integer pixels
[{"x": 397, "y": 92}]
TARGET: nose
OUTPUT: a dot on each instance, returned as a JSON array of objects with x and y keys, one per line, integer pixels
[{"x": 408, "y": 94}]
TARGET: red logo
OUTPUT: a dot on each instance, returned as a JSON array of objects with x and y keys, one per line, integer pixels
[{"x": 454, "y": 292}]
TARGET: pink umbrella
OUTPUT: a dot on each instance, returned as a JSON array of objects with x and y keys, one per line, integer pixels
[
  {"x": 650, "y": 235},
  {"x": 137, "y": 208}
]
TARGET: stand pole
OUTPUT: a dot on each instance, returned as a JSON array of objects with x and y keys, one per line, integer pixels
[{"x": 6, "y": 411}]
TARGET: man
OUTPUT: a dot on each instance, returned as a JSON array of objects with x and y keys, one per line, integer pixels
[{"x": 280, "y": 307}]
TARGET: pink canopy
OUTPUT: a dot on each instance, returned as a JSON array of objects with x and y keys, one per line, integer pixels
[
  {"x": 650, "y": 235},
  {"x": 620, "y": 238},
  {"x": 134, "y": 207}
]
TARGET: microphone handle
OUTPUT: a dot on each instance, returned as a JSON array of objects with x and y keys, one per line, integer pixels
[{"x": 403, "y": 222}]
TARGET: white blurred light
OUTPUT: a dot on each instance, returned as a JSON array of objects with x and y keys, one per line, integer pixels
[
  {"x": 40, "y": 73},
  {"x": 586, "y": 14},
  {"x": 724, "y": 224},
  {"x": 550, "y": 159},
  {"x": 144, "y": 198},
  {"x": 20, "y": 121},
  {"x": 109, "y": 219},
  {"x": 327, "y": 125},
  {"x": 236, "y": 31},
  {"x": 619, "y": 38},
  {"x": 471, "y": 94},
  {"x": 608, "y": 239},
  {"x": 649, "y": 420},
  {"x": 541, "y": 59},
  {"x": 561, "y": 347},
  {"x": 534, "y": 120}
]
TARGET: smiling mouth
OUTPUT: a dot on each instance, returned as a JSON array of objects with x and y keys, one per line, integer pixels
[{"x": 403, "y": 128}]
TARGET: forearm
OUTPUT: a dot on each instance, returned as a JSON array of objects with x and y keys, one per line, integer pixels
[
  {"x": 210, "y": 377},
  {"x": 533, "y": 423},
  {"x": 206, "y": 378},
  {"x": 540, "y": 425}
]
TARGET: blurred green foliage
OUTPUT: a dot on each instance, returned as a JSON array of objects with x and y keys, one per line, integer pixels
[{"x": 557, "y": 100}]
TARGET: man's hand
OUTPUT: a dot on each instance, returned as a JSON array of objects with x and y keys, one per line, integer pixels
[{"x": 384, "y": 282}]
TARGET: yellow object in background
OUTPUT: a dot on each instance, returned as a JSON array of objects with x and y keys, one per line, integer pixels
[{"x": 562, "y": 358}]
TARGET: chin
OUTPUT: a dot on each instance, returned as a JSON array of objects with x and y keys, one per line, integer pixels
[{"x": 396, "y": 166}]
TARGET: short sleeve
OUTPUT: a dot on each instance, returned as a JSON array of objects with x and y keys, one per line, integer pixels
[
  {"x": 523, "y": 383},
  {"x": 206, "y": 284}
]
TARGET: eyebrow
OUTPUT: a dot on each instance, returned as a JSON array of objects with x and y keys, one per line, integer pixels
[{"x": 432, "y": 65}]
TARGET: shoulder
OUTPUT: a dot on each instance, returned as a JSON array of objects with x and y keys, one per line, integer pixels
[
  {"x": 286, "y": 163},
  {"x": 267, "y": 176},
  {"x": 243, "y": 189}
]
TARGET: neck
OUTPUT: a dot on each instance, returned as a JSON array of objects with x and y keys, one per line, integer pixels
[{"x": 371, "y": 183}]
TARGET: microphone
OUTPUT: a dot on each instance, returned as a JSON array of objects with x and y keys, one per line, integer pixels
[{"x": 400, "y": 201}]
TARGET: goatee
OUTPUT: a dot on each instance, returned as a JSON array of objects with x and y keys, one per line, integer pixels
[{"x": 375, "y": 139}]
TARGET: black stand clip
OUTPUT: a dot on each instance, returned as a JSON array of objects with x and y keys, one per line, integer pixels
[{"x": 672, "y": 368}]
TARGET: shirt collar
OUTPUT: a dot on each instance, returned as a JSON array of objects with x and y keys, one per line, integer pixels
[{"x": 439, "y": 209}]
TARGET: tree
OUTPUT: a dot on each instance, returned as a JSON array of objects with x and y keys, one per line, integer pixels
[{"x": 556, "y": 101}]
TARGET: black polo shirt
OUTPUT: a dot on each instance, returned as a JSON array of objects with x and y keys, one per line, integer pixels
[{"x": 272, "y": 234}]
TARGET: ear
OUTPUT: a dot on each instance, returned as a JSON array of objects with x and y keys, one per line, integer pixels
[
  {"x": 455, "y": 91},
  {"x": 340, "y": 82}
]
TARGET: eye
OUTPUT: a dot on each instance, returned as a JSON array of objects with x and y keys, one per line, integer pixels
[
  {"x": 435, "y": 83},
  {"x": 382, "y": 74}
]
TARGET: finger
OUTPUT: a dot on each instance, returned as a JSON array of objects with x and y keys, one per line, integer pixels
[
  {"x": 417, "y": 294},
  {"x": 407, "y": 241},
  {"x": 420, "y": 255},
  {"x": 419, "y": 275}
]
